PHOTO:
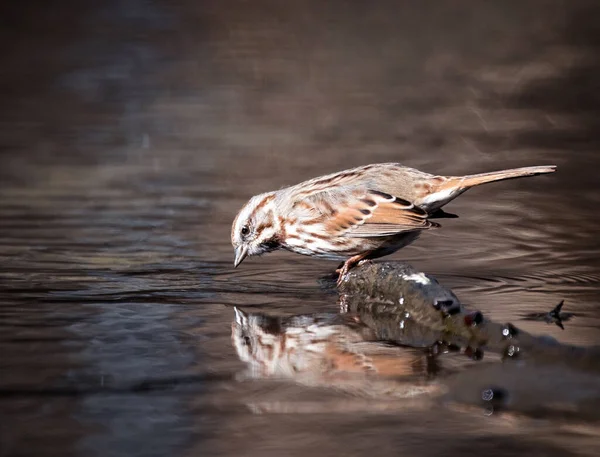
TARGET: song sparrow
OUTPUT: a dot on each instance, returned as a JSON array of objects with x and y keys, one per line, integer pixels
[{"x": 362, "y": 213}]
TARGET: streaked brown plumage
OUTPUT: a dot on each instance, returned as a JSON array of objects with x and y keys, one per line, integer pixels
[{"x": 362, "y": 213}]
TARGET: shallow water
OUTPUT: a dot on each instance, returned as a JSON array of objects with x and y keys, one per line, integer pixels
[{"x": 131, "y": 133}]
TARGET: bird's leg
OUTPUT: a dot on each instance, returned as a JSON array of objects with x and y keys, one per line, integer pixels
[{"x": 349, "y": 264}]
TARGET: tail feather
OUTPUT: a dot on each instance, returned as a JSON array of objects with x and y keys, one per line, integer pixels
[
  {"x": 450, "y": 187},
  {"x": 465, "y": 182}
]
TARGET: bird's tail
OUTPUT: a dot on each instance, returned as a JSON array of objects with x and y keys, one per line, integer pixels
[
  {"x": 465, "y": 182},
  {"x": 448, "y": 188}
]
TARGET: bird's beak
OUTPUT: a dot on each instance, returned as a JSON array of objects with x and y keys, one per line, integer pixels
[{"x": 241, "y": 252}]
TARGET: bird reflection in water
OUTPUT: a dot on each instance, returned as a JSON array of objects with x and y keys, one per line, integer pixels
[{"x": 336, "y": 350}]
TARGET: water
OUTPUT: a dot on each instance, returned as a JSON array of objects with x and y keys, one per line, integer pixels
[{"x": 131, "y": 133}]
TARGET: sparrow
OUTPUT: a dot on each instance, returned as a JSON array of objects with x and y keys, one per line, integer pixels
[{"x": 353, "y": 215}]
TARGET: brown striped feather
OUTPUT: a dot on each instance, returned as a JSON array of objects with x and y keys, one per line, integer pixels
[{"x": 375, "y": 214}]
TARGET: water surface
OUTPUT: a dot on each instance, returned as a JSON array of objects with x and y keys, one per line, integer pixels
[{"x": 131, "y": 133}]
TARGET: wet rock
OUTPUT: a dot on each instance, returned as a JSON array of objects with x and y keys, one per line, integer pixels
[
  {"x": 473, "y": 319},
  {"x": 493, "y": 399},
  {"x": 511, "y": 351},
  {"x": 399, "y": 303},
  {"x": 409, "y": 307},
  {"x": 400, "y": 282},
  {"x": 509, "y": 331}
]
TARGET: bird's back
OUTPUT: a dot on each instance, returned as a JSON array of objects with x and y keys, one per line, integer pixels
[{"x": 390, "y": 178}]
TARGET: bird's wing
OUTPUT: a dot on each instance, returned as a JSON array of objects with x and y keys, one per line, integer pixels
[{"x": 364, "y": 214}]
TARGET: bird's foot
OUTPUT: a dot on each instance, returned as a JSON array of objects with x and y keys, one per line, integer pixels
[{"x": 349, "y": 264}]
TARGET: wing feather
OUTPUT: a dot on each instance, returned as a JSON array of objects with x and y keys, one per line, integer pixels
[{"x": 372, "y": 214}]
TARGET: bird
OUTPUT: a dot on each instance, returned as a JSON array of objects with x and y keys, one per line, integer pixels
[{"x": 354, "y": 215}]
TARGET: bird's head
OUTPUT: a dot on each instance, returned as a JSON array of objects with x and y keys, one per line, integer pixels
[{"x": 255, "y": 230}]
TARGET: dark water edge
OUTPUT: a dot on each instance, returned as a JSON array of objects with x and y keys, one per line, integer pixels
[{"x": 130, "y": 134}]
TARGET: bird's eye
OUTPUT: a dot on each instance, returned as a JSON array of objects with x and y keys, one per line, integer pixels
[
  {"x": 246, "y": 341},
  {"x": 245, "y": 230}
]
